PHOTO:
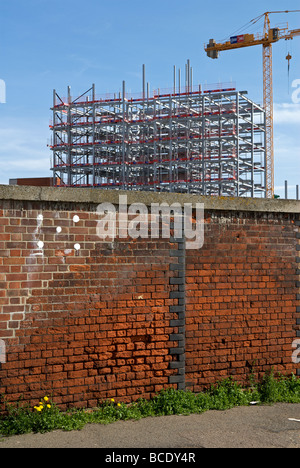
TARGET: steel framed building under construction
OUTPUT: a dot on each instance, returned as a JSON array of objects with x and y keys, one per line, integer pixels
[{"x": 206, "y": 140}]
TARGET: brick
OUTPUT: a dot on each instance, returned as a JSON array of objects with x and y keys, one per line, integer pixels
[
  {"x": 177, "y": 323},
  {"x": 177, "y": 266},
  {"x": 178, "y": 350},
  {"x": 176, "y": 336},
  {"x": 79, "y": 268},
  {"x": 177, "y": 253},
  {"x": 4, "y": 237},
  {"x": 177, "y": 295},
  {"x": 177, "y": 308},
  {"x": 176, "y": 379},
  {"x": 175, "y": 364},
  {"x": 14, "y": 261}
]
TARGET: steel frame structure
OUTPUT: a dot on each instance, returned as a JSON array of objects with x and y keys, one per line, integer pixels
[{"x": 208, "y": 141}]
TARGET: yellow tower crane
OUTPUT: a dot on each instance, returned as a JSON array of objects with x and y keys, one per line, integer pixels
[{"x": 269, "y": 36}]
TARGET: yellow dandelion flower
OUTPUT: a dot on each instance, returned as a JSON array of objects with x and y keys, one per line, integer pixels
[
  {"x": 48, "y": 406},
  {"x": 38, "y": 408},
  {"x": 119, "y": 404},
  {"x": 46, "y": 398},
  {"x": 112, "y": 399}
]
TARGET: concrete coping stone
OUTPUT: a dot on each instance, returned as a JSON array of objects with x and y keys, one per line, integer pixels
[{"x": 97, "y": 196}]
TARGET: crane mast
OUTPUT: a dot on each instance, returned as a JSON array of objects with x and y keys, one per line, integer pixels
[
  {"x": 270, "y": 35},
  {"x": 268, "y": 106}
]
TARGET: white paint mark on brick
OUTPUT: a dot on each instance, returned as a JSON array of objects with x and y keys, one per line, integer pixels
[{"x": 2, "y": 352}]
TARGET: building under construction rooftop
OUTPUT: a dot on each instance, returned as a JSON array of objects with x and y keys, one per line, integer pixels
[{"x": 207, "y": 140}]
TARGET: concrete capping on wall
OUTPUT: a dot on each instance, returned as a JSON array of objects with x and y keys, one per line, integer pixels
[{"x": 96, "y": 196}]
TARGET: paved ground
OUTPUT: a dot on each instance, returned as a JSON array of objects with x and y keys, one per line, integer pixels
[{"x": 244, "y": 427}]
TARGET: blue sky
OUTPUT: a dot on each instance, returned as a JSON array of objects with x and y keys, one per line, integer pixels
[{"x": 46, "y": 44}]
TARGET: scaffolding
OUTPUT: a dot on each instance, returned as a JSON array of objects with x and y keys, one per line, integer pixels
[{"x": 207, "y": 140}]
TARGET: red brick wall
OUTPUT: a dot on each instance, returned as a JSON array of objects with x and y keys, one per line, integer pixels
[
  {"x": 241, "y": 297},
  {"x": 82, "y": 325},
  {"x": 113, "y": 320}
]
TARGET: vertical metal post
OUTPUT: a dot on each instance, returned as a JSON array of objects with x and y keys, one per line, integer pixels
[
  {"x": 297, "y": 192},
  {"x": 69, "y": 161},
  {"x": 203, "y": 145},
  {"x": 252, "y": 151},
  {"x": 144, "y": 82},
  {"x": 285, "y": 189},
  {"x": 124, "y": 134},
  {"x": 174, "y": 79},
  {"x": 265, "y": 154},
  {"x": 155, "y": 143},
  {"x": 93, "y": 133},
  {"x": 220, "y": 152},
  {"x": 170, "y": 147},
  {"x": 53, "y": 137}
]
